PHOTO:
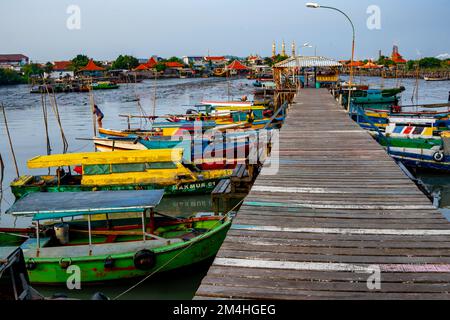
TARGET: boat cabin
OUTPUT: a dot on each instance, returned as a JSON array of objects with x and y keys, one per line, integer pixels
[
  {"x": 163, "y": 166},
  {"x": 413, "y": 127},
  {"x": 111, "y": 235}
]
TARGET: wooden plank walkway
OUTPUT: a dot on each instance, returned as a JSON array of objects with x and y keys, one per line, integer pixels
[{"x": 338, "y": 211}]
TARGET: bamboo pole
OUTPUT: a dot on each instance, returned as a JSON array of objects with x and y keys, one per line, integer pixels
[
  {"x": 92, "y": 103},
  {"x": 10, "y": 141}
]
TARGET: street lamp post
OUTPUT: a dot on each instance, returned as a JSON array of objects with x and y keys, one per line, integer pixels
[{"x": 350, "y": 83}]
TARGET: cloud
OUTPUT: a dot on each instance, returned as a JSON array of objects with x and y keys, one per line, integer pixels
[{"x": 443, "y": 56}]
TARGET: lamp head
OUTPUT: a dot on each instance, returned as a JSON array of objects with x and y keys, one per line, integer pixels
[{"x": 313, "y": 5}]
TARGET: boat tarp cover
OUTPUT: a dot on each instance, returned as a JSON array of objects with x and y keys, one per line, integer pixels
[{"x": 51, "y": 205}]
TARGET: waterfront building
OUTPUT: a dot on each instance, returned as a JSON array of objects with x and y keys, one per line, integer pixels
[
  {"x": 92, "y": 70},
  {"x": 61, "y": 69},
  {"x": 13, "y": 60}
]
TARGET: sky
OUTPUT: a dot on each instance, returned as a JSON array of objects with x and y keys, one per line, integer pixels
[{"x": 107, "y": 28}]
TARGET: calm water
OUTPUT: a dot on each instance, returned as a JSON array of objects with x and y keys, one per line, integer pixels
[{"x": 26, "y": 124}]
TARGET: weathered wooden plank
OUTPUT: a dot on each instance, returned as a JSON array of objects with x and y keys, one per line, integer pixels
[{"x": 338, "y": 204}]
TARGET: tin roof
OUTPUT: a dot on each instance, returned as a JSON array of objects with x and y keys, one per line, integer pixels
[
  {"x": 12, "y": 57},
  {"x": 49, "y": 205},
  {"x": 308, "y": 62}
]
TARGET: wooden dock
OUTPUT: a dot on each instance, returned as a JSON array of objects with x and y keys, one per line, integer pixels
[{"x": 339, "y": 211}]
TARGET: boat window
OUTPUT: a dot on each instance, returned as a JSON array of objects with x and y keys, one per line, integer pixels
[
  {"x": 96, "y": 169},
  {"x": 160, "y": 165},
  {"x": 128, "y": 167},
  {"x": 239, "y": 116},
  {"x": 258, "y": 114}
]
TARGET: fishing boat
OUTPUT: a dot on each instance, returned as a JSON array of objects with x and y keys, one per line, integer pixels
[
  {"x": 160, "y": 129},
  {"x": 380, "y": 99},
  {"x": 104, "y": 85},
  {"x": 436, "y": 79},
  {"x": 215, "y": 103},
  {"x": 122, "y": 170},
  {"x": 112, "y": 235},
  {"x": 205, "y": 154},
  {"x": 380, "y": 118},
  {"x": 42, "y": 89},
  {"x": 264, "y": 83},
  {"x": 418, "y": 143}
]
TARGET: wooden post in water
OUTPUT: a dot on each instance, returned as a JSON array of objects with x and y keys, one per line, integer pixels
[
  {"x": 10, "y": 141},
  {"x": 92, "y": 103}
]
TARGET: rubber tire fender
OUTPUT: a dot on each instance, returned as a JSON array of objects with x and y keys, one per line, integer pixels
[
  {"x": 438, "y": 157},
  {"x": 144, "y": 260}
]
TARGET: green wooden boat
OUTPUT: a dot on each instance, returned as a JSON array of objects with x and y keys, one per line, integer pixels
[
  {"x": 379, "y": 99},
  {"x": 111, "y": 235},
  {"x": 120, "y": 170},
  {"x": 104, "y": 85}
]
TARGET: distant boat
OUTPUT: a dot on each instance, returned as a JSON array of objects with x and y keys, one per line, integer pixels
[{"x": 436, "y": 79}]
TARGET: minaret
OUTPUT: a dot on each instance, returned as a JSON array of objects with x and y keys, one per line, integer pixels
[
  {"x": 293, "y": 48},
  {"x": 283, "y": 49},
  {"x": 274, "y": 49}
]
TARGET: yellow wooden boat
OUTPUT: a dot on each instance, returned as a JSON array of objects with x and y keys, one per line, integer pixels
[{"x": 120, "y": 170}]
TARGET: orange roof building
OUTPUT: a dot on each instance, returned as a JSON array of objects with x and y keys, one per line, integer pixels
[
  {"x": 370, "y": 65},
  {"x": 396, "y": 56},
  {"x": 92, "y": 67},
  {"x": 174, "y": 65},
  {"x": 215, "y": 59},
  {"x": 236, "y": 65},
  {"x": 150, "y": 64},
  {"x": 62, "y": 65},
  {"x": 355, "y": 64}
]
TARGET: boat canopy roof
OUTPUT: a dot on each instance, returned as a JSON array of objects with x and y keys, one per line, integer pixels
[
  {"x": 227, "y": 103},
  {"x": 116, "y": 157},
  {"x": 49, "y": 205}
]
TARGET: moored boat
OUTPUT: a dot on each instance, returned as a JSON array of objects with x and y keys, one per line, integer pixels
[
  {"x": 104, "y": 85},
  {"x": 126, "y": 170},
  {"x": 112, "y": 235},
  {"x": 436, "y": 79},
  {"x": 418, "y": 143}
]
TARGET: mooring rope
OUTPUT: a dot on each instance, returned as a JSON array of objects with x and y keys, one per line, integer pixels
[{"x": 178, "y": 254}]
